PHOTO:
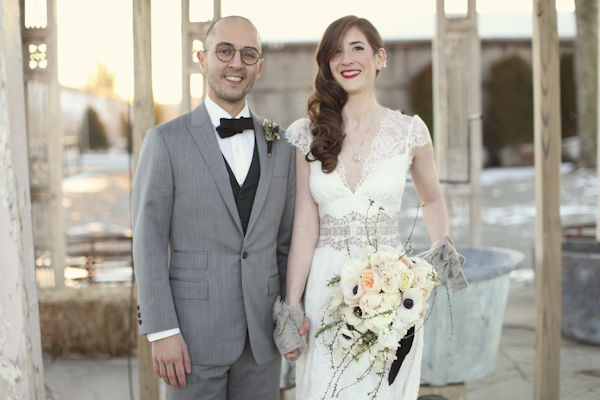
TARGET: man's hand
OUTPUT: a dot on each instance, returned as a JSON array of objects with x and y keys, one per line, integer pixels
[
  {"x": 304, "y": 328},
  {"x": 171, "y": 360}
]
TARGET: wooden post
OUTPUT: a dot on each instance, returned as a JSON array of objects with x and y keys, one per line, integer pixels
[
  {"x": 457, "y": 123},
  {"x": 548, "y": 252},
  {"x": 22, "y": 368},
  {"x": 598, "y": 138},
  {"x": 143, "y": 119},
  {"x": 191, "y": 31}
]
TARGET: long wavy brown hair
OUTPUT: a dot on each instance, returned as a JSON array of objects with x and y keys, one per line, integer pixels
[{"x": 327, "y": 99}]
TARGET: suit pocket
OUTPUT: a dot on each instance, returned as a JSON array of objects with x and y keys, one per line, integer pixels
[
  {"x": 189, "y": 290},
  {"x": 189, "y": 260},
  {"x": 274, "y": 286}
]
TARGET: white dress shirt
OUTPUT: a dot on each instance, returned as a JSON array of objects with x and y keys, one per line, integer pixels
[{"x": 238, "y": 151}]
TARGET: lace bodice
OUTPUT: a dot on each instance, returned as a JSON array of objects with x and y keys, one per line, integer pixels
[{"x": 341, "y": 209}]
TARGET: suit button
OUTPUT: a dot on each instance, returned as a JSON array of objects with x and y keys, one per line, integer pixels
[
  {"x": 140, "y": 315},
  {"x": 140, "y": 321},
  {"x": 138, "y": 307},
  {"x": 244, "y": 255},
  {"x": 241, "y": 197}
]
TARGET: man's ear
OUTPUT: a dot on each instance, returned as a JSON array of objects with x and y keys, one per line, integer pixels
[
  {"x": 260, "y": 67},
  {"x": 202, "y": 61}
]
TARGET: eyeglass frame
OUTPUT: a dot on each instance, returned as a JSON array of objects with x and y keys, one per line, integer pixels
[{"x": 234, "y": 51}]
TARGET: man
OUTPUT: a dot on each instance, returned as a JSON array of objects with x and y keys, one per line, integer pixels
[{"x": 212, "y": 217}]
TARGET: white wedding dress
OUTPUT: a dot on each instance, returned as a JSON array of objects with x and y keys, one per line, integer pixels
[{"x": 342, "y": 213}]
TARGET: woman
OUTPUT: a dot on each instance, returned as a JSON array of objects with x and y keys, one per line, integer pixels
[{"x": 352, "y": 150}]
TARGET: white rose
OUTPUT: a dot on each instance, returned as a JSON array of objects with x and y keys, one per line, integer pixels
[
  {"x": 420, "y": 277},
  {"x": 389, "y": 281},
  {"x": 390, "y": 300},
  {"x": 406, "y": 279},
  {"x": 369, "y": 301}
]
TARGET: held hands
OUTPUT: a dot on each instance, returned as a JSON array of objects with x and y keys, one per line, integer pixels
[
  {"x": 171, "y": 360},
  {"x": 304, "y": 328},
  {"x": 290, "y": 327}
]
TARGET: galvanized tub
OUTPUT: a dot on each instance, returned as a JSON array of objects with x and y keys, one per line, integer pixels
[{"x": 477, "y": 316}]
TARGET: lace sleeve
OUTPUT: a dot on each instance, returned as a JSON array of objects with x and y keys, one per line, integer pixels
[
  {"x": 418, "y": 135},
  {"x": 298, "y": 134}
]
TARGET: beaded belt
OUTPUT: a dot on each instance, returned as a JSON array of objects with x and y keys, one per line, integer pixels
[{"x": 349, "y": 231}]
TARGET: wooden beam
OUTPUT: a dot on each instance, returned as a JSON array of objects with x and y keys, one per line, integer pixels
[
  {"x": 548, "y": 225},
  {"x": 22, "y": 368},
  {"x": 143, "y": 119},
  {"x": 598, "y": 136}
]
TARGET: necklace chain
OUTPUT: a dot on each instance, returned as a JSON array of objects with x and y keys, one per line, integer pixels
[{"x": 356, "y": 155}]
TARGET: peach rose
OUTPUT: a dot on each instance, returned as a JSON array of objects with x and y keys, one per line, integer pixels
[{"x": 371, "y": 281}]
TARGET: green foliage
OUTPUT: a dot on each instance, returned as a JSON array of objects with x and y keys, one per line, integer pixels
[
  {"x": 421, "y": 95},
  {"x": 568, "y": 109},
  {"x": 509, "y": 115},
  {"x": 96, "y": 132}
]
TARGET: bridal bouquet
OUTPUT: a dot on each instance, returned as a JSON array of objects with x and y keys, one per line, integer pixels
[{"x": 371, "y": 306}]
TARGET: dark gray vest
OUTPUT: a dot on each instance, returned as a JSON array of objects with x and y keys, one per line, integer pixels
[{"x": 244, "y": 195}]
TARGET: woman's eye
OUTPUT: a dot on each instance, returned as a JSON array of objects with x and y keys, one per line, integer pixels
[{"x": 359, "y": 48}]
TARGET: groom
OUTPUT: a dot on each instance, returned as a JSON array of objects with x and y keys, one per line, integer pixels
[{"x": 212, "y": 220}]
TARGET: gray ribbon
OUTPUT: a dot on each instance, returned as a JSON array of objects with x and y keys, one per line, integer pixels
[
  {"x": 287, "y": 325},
  {"x": 442, "y": 256}
]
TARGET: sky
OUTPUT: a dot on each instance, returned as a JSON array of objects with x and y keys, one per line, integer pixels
[{"x": 91, "y": 31}]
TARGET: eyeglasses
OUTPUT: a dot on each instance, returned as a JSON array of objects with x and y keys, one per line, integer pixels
[{"x": 225, "y": 52}]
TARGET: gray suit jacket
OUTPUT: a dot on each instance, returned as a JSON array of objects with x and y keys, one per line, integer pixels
[{"x": 195, "y": 269}]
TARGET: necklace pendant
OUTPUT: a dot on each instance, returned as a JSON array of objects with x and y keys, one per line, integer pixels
[{"x": 356, "y": 157}]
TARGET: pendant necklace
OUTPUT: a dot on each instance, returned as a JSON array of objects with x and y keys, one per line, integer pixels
[{"x": 356, "y": 155}]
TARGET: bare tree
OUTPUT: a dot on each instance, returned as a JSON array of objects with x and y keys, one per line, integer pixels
[
  {"x": 102, "y": 83},
  {"x": 586, "y": 79}
]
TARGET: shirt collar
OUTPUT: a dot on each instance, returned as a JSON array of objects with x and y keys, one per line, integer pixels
[{"x": 215, "y": 112}]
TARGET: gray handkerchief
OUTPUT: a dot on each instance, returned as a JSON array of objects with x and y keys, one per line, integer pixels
[
  {"x": 287, "y": 324},
  {"x": 442, "y": 256}
]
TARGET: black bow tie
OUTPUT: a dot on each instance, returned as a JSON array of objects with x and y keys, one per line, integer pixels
[{"x": 231, "y": 126}]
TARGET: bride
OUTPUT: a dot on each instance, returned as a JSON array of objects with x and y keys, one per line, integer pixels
[{"x": 351, "y": 150}]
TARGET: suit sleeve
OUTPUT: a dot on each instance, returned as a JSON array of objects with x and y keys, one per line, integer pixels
[
  {"x": 284, "y": 236},
  {"x": 151, "y": 202}
]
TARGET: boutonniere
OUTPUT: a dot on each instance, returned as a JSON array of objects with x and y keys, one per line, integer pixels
[{"x": 271, "y": 134}]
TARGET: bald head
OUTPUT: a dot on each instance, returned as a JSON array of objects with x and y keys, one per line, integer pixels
[{"x": 232, "y": 23}]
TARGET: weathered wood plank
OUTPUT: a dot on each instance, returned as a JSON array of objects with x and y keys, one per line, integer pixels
[
  {"x": 21, "y": 370},
  {"x": 547, "y": 125},
  {"x": 143, "y": 119}
]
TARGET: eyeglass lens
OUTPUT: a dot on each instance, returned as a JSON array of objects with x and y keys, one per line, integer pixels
[{"x": 225, "y": 53}]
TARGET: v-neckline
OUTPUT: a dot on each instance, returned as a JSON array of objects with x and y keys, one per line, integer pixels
[{"x": 341, "y": 167}]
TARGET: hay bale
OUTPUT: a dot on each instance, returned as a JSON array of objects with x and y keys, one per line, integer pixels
[{"x": 91, "y": 321}]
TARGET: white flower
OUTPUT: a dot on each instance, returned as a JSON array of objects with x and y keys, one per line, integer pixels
[
  {"x": 410, "y": 307},
  {"x": 353, "y": 315},
  {"x": 335, "y": 297},
  {"x": 389, "y": 281},
  {"x": 353, "y": 269},
  {"x": 381, "y": 321},
  {"x": 384, "y": 256},
  {"x": 352, "y": 290},
  {"x": 406, "y": 279},
  {"x": 369, "y": 301},
  {"x": 366, "y": 253},
  {"x": 420, "y": 276},
  {"x": 348, "y": 338},
  {"x": 390, "y": 339}
]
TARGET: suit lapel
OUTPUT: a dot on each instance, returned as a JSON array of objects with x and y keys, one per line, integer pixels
[
  {"x": 202, "y": 132},
  {"x": 266, "y": 172}
]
